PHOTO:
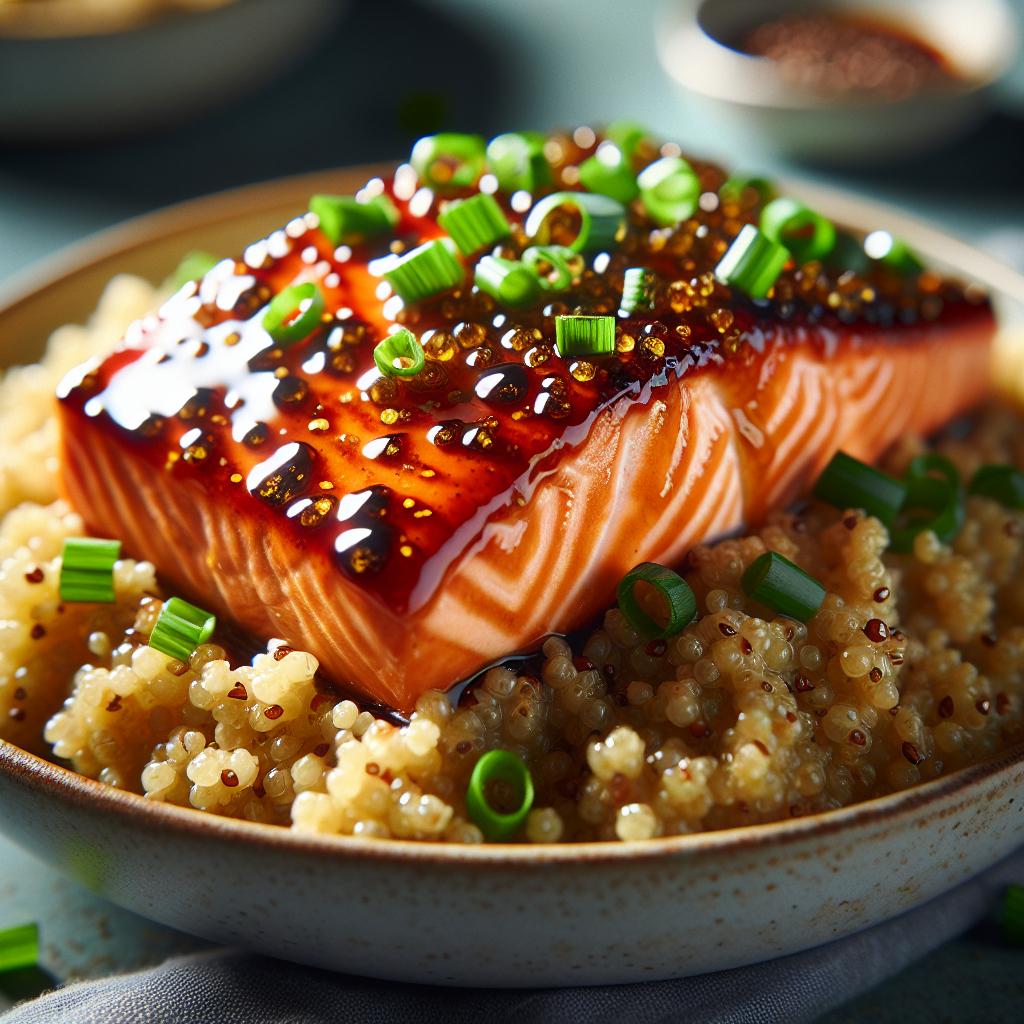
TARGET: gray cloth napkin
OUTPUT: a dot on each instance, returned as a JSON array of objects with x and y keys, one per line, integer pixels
[{"x": 233, "y": 987}]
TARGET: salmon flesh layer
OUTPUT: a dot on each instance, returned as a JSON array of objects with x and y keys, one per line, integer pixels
[{"x": 409, "y": 530}]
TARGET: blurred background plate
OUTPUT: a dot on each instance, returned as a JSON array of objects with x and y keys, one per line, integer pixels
[{"x": 73, "y": 70}]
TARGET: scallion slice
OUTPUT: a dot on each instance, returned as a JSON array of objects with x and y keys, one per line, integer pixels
[
  {"x": 180, "y": 628},
  {"x": 294, "y": 313},
  {"x": 1004, "y": 484},
  {"x": 752, "y": 263},
  {"x": 87, "y": 570},
  {"x": 193, "y": 265},
  {"x": 678, "y": 597},
  {"x": 736, "y": 186},
  {"x": 892, "y": 252},
  {"x": 775, "y": 581},
  {"x": 425, "y": 271},
  {"x": 1011, "y": 917},
  {"x": 935, "y": 465},
  {"x": 509, "y": 281},
  {"x": 474, "y": 223},
  {"x": 806, "y": 234},
  {"x": 344, "y": 219},
  {"x": 637, "y": 290},
  {"x": 608, "y": 172},
  {"x": 669, "y": 190},
  {"x": 931, "y": 504},
  {"x": 449, "y": 161},
  {"x": 556, "y": 266},
  {"x": 517, "y": 160},
  {"x": 19, "y": 947},
  {"x": 627, "y": 135},
  {"x": 399, "y": 354},
  {"x": 578, "y": 335},
  {"x": 847, "y": 482},
  {"x": 581, "y": 221},
  {"x": 499, "y": 768}
]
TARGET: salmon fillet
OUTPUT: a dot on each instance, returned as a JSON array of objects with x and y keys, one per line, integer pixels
[{"x": 410, "y": 531}]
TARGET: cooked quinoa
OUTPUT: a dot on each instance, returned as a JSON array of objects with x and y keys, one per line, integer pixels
[{"x": 913, "y": 667}]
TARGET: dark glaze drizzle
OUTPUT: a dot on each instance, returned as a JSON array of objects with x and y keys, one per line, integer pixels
[{"x": 395, "y": 477}]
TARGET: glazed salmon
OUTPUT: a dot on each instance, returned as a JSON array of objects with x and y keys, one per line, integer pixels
[{"x": 408, "y": 531}]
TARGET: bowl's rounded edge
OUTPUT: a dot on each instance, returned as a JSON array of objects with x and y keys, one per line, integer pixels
[{"x": 49, "y": 779}]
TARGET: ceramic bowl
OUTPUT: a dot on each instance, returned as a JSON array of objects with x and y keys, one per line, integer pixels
[
  {"x": 750, "y": 104},
  {"x": 492, "y": 915}
]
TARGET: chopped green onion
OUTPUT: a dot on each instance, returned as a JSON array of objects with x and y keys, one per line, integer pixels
[
  {"x": 931, "y": 504},
  {"x": 752, "y": 263},
  {"x": 637, "y": 290},
  {"x": 425, "y": 271},
  {"x": 193, "y": 265},
  {"x": 608, "y": 173},
  {"x": 678, "y": 597},
  {"x": 556, "y": 266},
  {"x": 399, "y": 354},
  {"x": 847, "y": 482},
  {"x": 180, "y": 628},
  {"x": 87, "y": 570},
  {"x": 1004, "y": 484},
  {"x": 449, "y": 160},
  {"x": 848, "y": 254},
  {"x": 776, "y": 582},
  {"x": 19, "y": 947},
  {"x": 627, "y": 135},
  {"x": 509, "y": 281},
  {"x": 669, "y": 190},
  {"x": 932, "y": 464},
  {"x": 806, "y": 234},
  {"x": 474, "y": 223},
  {"x": 346, "y": 219},
  {"x": 736, "y": 186},
  {"x": 499, "y": 768},
  {"x": 599, "y": 220},
  {"x": 893, "y": 252},
  {"x": 517, "y": 160},
  {"x": 577, "y": 335},
  {"x": 294, "y": 313},
  {"x": 1011, "y": 917}
]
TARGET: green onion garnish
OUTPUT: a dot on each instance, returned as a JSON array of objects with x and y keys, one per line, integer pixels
[
  {"x": 474, "y": 223},
  {"x": 627, "y": 135},
  {"x": 577, "y": 335},
  {"x": 679, "y": 598},
  {"x": 932, "y": 464},
  {"x": 893, "y": 252},
  {"x": 669, "y": 190},
  {"x": 752, "y": 263},
  {"x": 555, "y": 266},
  {"x": 19, "y": 947},
  {"x": 449, "y": 160},
  {"x": 735, "y": 186},
  {"x": 517, "y": 160},
  {"x": 593, "y": 222},
  {"x": 776, "y": 582},
  {"x": 399, "y": 354},
  {"x": 193, "y": 266},
  {"x": 931, "y": 504},
  {"x": 180, "y": 628},
  {"x": 847, "y": 482},
  {"x": 346, "y": 219},
  {"x": 499, "y": 768},
  {"x": 1004, "y": 484},
  {"x": 294, "y": 313},
  {"x": 1011, "y": 918},
  {"x": 427, "y": 270},
  {"x": 87, "y": 570},
  {"x": 509, "y": 281},
  {"x": 637, "y": 290},
  {"x": 806, "y": 234},
  {"x": 609, "y": 173}
]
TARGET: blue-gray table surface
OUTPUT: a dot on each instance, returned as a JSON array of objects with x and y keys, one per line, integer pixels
[{"x": 372, "y": 87}]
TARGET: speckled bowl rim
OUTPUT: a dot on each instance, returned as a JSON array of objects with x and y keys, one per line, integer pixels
[{"x": 48, "y": 778}]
